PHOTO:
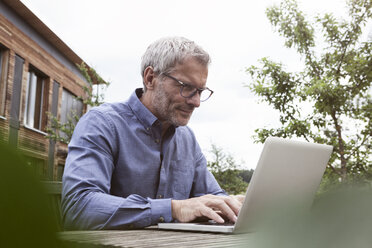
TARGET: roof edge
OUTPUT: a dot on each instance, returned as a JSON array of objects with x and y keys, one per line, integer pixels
[{"x": 30, "y": 18}]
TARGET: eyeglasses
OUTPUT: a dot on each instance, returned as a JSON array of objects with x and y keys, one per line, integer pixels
[{"x": 188, "y": 91}]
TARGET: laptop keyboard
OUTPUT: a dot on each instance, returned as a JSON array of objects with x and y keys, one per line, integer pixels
[{"x": 213, "y": 223}]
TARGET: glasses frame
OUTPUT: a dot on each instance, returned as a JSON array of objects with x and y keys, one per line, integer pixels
[{"x": 196, "y": 90}]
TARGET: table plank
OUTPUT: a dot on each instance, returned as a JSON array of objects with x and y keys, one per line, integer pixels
[{"x": 154, "y": 238}]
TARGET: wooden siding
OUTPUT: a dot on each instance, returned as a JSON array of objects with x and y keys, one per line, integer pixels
[
  {"x": 33, "y": 142},
  {"x": 4, "y": 131},
  {"x": 17, "y": 41}
]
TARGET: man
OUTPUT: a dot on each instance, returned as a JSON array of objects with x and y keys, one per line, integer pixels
[{"x": 136, "y": 163}]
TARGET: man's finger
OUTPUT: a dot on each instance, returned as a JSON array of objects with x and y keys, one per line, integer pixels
[
  {"x": 211, "y": 214},
  {"x": 239, "y": 198},
  {"x": 234, "y": 204},
  {"x": 221, "y": 204},
  {"x": 228, "y": 204}
]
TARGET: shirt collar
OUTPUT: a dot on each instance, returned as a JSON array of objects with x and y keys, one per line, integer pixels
[{"x": 143, "y": 114}]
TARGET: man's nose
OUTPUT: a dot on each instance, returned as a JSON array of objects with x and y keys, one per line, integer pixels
[{"x": 194, "y": 100}]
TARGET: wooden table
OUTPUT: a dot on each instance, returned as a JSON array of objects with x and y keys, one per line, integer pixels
[{"x": 153, "y": 238}]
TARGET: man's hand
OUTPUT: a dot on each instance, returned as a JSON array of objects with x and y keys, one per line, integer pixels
[
  {"x": 239, "y": 198},
  {"x": 206, "y": 206}
]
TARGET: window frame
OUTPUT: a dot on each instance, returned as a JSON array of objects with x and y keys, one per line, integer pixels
[
  {"x": 37, "y": 104},
  {"x": 4, "y": 62}
]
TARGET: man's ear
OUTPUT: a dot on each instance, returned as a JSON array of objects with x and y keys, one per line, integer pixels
[{"x": 149, "y": 77}]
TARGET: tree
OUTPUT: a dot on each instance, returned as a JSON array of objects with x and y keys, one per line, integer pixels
[
  {"x": 335, "y": 81},
  {"x": 246, "y": 175},
  {"x": 225, "y": 170},
  {"x": 62, "y": 132}
]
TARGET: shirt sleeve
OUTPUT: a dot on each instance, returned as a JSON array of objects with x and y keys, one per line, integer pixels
[{"x": 86, "y": 199}]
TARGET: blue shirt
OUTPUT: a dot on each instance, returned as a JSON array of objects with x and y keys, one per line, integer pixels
[{"x": 121, "y": 174}]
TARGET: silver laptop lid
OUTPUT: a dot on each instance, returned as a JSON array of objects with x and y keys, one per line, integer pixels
[{"x": 288, "y": 174}]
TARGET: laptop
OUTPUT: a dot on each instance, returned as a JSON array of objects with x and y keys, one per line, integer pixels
[{"x": 287, "y": 175}]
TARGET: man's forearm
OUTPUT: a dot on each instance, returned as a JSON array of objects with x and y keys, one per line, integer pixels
[{"x": 102, "y": 211}]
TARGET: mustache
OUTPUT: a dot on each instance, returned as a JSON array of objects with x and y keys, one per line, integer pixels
[{"x": 189, "y": 108}]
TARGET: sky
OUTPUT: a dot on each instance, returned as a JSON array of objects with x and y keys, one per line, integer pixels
[{"x": 112, "y": 35}]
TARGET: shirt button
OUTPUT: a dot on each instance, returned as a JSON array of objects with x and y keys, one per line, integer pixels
[
  {"x": 160, "y": 196},
  {"x": 161, "y": 219}
]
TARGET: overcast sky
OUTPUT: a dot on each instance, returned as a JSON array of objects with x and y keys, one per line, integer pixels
[{"x": 112, "y": 35}]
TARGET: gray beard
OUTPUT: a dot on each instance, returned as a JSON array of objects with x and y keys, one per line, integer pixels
[{"x": 161, "y": 105}]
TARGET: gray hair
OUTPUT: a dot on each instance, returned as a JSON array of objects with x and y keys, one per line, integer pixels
[{"x": 164, "y": 54}]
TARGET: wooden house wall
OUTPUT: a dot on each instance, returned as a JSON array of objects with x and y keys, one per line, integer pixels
[{"x": 33, "y": 142}]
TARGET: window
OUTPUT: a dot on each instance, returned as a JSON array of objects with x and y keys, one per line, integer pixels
[
  {"x": 71, "y": 106},
  {"x": 4, "y": 55},
  {"x": 34, "y": 113}
]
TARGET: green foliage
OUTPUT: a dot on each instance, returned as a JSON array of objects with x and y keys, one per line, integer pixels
[
  {"x": 336, "y": 82},
  {"x": 62, "y": 132},
  {"x": 26, "y": 220},
  {"x": 55, "y": 128},
  {"x": 246, "y": 175},
  {"x": 92, "y": 99},
  {"x": 26, "y": 213},
  {"x": 225, "y": 170}
]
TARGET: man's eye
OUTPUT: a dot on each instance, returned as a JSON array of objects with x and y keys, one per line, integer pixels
[{"x": 188, "y": 88}]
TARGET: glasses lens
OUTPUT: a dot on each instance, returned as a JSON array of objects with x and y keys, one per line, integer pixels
[
  {"x": 188, "y": 91},
  {"x": 205, "y": 94}
]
